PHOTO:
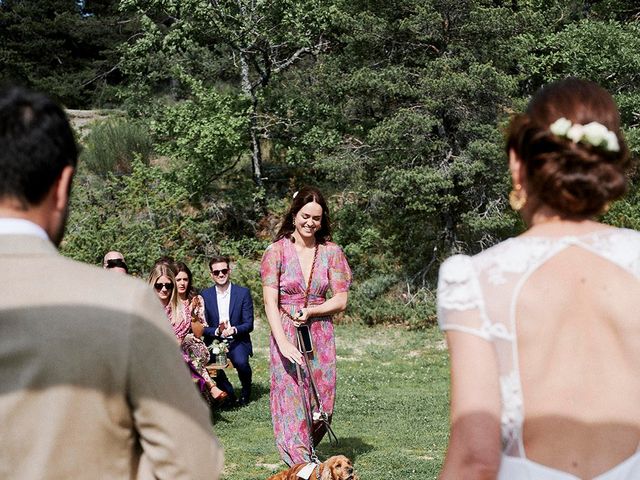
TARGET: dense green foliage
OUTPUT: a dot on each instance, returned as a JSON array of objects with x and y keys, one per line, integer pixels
[
  {"x": 112, "y": 145},
  {"x": 59, "y": 47},
  {"x": 395, "y": 109}
]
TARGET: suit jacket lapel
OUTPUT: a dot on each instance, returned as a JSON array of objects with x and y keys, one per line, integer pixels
[
  {"x": 232, "y": 301},
  {"x": 214, "y": 311}
]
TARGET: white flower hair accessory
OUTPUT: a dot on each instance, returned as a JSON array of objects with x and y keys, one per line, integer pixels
[
  {"x": 593, "y": 133},
  {"x": 295, "y": 194}
]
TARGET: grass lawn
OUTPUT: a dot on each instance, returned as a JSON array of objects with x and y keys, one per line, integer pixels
[{"x": 391, "y": 413}]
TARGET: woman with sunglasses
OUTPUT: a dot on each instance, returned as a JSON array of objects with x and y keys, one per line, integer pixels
[
  {"x": 297, "y": 271},
  {"x": 163, "y": 280}
]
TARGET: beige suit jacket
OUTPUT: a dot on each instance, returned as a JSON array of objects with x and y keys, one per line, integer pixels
[{"x": 92, "y": 383}]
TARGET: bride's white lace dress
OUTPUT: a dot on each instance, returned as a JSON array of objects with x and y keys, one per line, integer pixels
[{"x": 479, "y": 295}]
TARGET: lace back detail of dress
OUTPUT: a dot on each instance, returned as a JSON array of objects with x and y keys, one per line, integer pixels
[{"x": 479, "y": 295}]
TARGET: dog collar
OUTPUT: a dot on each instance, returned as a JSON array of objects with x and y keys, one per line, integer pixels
[{"x": 306, "y": 471}]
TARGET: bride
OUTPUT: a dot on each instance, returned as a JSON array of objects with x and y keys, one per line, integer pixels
[{"x": 544, "y": 329}]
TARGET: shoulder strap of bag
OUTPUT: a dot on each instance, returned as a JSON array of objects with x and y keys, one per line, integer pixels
[
  {"x": 308, "y": 289},
  {"x": 324, "y": 418},
  {"x": 313, "y": 267}
]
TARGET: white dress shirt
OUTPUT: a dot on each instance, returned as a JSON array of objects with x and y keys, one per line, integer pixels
[
  {"x": 224, "y": 304},
  {"x": 20, "y": 226}
]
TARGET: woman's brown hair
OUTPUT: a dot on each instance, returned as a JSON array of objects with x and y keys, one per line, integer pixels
[
  {"x": 182, "y": 267},
  {"x": 306, "y": 195},
  {"x": 576, "y": 179}
]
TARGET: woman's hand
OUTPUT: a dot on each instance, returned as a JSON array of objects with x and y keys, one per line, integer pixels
[
  {"x": 228, "y": 332},
  {"x": 301, "y": 317},
  {"x": 197, "y": 328},
  {"x": 195, "y": 309},
  {"x": 290, "y": 352}
]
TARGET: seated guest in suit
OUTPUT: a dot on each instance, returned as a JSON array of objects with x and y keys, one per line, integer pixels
[{"x": 229, "y": 314}]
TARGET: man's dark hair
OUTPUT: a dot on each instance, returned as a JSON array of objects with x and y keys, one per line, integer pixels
[
  {"x": 36, "y": 143},
  {"x": 219, "y": 259}
]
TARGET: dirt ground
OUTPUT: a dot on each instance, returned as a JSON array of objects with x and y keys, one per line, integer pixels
[{"x": 82, "y": 119}]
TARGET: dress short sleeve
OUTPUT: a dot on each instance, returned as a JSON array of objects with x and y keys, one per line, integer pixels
[
  {"x": 271, "y": 266},
  {"x": 339, "y": 271},
  {"x": 460, "y": 304}
]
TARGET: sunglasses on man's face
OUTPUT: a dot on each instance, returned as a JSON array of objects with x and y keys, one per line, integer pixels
[
  {"x": 217, "y": 273},
  {"x": 159, "y": 286},
  {"x": 116, "y": 263}
]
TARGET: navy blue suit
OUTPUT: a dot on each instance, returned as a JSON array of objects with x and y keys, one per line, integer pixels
[{"x": 240, "y": 348}]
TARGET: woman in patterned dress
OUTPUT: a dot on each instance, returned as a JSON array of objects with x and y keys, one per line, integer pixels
[
  {"x": 301, "y": 254},
  {"x": 185, "y": 319},
  {"x": 192, "y": 307}
]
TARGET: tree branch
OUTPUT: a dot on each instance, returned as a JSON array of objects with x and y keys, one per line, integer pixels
[
  {"x": 101, "y": 75},
  {"x": 315, "y": 50}
]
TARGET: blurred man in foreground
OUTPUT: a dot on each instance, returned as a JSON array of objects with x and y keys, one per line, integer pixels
[{"x": 91, "y": 381}]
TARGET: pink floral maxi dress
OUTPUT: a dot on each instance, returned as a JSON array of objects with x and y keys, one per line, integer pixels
[
  {"x": 194, "y": 351},
  {"x": 281, "y": 270}
]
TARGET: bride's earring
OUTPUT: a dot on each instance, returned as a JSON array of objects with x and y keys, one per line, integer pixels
[{"x": 517, "y": 198}]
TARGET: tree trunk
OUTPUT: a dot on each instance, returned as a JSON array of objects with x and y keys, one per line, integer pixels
[{"x": 256, "y": 153}]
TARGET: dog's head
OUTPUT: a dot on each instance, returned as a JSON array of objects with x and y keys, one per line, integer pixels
[{"x": 338, "y": 467}]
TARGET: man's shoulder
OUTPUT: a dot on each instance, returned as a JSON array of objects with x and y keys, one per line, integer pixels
[
  {"x": 114, "y": 280},
  {"x": 68, "y": 288},
  {"x": 209, "y": 291},
  {"x": 102, "y": 287},
  {"x": 241, "y": 290}
]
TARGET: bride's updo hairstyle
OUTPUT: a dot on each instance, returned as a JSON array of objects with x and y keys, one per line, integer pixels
[{"x": 576, "y": 179}]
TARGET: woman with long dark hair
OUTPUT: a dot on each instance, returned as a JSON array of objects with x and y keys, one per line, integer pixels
[
  {"x": 298, "y": 270},
  {"x": 189, "y": 298},
  {"x": 543, "y": 329}
]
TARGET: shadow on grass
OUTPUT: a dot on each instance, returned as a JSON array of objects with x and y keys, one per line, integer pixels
[
  {"x": 350, "y": 447},
  {"x": 216, "y": 414},
  {"x": 259, "y": 390}
]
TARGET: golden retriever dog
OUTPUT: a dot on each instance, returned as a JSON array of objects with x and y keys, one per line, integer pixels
[{"x": 337, "y": 467}]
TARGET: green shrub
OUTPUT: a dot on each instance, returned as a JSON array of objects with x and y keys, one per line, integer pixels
[
  {"x": 112, "y": 145},
  {"x": 373, "y": 302}
]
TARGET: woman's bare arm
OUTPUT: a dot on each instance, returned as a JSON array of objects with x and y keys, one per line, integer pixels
[
  {"x": 474, "y": 450},
  {"x": 272, "y": 311},
  {"x": 336, "y": 304}
]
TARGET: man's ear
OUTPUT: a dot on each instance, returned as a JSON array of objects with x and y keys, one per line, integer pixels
[
  {"x": 63, "y": 188},
  {"x": 516, "y": 167}
]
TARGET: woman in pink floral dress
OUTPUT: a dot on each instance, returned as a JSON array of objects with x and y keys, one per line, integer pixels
[
  {"x": 184, "y": 320},
  {"x": 192, "y": 307},
  {"x": 302, "y": 250}
]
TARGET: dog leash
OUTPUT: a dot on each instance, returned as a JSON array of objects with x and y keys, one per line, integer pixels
[{"x": 323, "y": 417}]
